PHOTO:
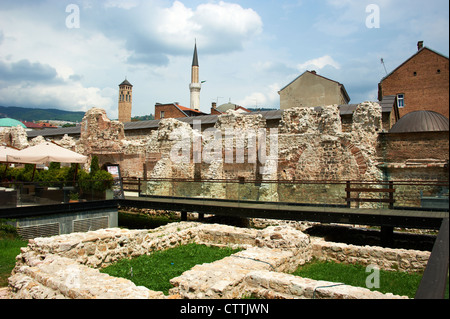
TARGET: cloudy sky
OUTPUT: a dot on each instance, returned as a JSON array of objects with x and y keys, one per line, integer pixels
[{"x": 73, "y": 54}]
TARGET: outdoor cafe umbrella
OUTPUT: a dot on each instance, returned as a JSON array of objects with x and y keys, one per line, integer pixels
[
  {"x": 5, "y": 151},
  {"x": 45, "y": 153}
]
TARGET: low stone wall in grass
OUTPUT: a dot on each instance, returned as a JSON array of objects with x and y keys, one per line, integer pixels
[
  {"x": 68, "y": 266},
  {"x": 407, "y": 260}
]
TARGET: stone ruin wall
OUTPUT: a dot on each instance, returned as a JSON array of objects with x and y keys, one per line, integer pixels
[
  {"x": 67, "y": 266},
  {"x": 313, "y": 145}
]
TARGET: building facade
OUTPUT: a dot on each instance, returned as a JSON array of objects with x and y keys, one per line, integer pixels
[
  {"x": 421, "y": 83},
  {"x": 311, "y": 90},
  {"x": 174, "y": 111}
]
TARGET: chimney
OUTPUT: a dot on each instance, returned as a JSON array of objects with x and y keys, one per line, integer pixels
[
  {"x": 313, "y": 72},
  {"x": 419, "y": 45},
  {"x": 214, "y": 105}
]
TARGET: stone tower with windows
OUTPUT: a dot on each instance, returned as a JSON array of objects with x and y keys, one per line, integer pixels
[{"x": 125, "y": 101}]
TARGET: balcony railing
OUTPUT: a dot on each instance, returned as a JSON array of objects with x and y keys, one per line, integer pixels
[
  {"x": 20, "y": 194},
  {"x": 354, "y": 194}
]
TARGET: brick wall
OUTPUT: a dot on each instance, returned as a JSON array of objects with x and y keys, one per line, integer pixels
[
  {"x": 424, "y": 80},
  {"x": 398, "y": 148},
  {"x": 170, "y": 111}
]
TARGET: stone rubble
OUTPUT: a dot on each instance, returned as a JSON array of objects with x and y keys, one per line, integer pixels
[{"x": 14, "y": 136}]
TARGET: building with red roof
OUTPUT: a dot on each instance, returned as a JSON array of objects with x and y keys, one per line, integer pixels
[{"x": 174, "y": 110}]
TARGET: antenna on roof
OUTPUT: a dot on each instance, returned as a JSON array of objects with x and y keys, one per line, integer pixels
[{"x": 382, "y": 62}]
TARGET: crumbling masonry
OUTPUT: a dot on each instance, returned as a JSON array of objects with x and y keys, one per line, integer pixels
[
  {"x": 67, "y": 266},
  {"x": 311, "y": 143}
]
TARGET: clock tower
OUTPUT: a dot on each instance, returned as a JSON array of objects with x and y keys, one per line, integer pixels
[{"x": 125, "y": 101}]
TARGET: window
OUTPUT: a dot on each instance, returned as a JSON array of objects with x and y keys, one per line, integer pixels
[
  {"x": 162, "y": 114},
  {"x": 401, "y": 100}
]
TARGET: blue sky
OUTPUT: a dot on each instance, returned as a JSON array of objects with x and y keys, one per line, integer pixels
[{"x": 248, "y": 49}]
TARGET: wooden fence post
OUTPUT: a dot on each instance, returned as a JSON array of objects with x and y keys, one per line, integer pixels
[{"x": 348, "y": 194}]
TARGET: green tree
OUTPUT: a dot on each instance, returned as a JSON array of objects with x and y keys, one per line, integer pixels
[{"x": 94, "y": 165}]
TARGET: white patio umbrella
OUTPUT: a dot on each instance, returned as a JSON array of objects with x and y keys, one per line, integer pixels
[
  {"x": 5, "y": 151},
  {"x": 45, "y": 153}
]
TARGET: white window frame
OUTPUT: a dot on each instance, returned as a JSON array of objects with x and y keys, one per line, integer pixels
[{"x": 401, "y": 100}]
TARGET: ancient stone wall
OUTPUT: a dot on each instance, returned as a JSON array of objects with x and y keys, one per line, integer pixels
[
  {"x": 67, "y": 266},
  {"x": 311, "y": 146},
  {"x": 384, "y": 258},
  {"x": 100, "y": 134},
  {"x": 14, "y": 136}
]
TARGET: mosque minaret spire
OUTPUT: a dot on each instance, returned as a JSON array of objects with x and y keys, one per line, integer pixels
[{"x": 195, "y": 86}]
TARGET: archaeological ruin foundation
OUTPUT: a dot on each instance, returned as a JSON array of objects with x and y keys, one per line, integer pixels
[
  {"x": 298, "y": 150},
  {"x": 68, "y": 266}
]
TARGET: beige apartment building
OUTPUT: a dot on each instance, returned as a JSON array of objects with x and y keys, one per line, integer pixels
[{"x": 310, "y": 90}]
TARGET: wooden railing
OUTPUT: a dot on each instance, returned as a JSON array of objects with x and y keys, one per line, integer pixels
[{"x": 390, "y": 189}]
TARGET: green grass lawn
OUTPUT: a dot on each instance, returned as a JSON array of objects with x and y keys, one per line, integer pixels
[
  {"x": 9, "y": 249},
  {"x": 155, "y": 271},
  {"x": 396, "y": 282}
]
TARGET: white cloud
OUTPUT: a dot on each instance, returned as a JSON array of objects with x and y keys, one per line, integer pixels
[
  {"x": 72, "y": 97},
  {"x": 48, "y": 67},
  {"x": 151, "y": 42},
  {"x": 319, "y": 63},
  {"x": 121, "y": 4},
  {"x": 217, "y": 26},
  {"x": 268, "y": 98}
]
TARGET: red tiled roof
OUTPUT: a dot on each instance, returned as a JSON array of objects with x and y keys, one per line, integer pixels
[
  {"x": 38, "y": 125},
  {"x": 31, "y": 125},
  {"x": 243, "y": 108},
  {"x": 47, "y": 125},
  {"x": 183, "y": 108}
]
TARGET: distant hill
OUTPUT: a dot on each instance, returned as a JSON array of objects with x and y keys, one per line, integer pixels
[
  {"x": 149, "y": 117},
  {"x": 30, "y": 114},
  {"x": 259, "y": 109}
]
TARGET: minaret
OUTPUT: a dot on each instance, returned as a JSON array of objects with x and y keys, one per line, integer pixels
[
  {"x": 125, "y": 101},
  {"x": 195, "y": 85}
]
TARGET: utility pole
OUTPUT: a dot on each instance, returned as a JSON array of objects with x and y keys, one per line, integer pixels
[{"x": 382, "y": 62}]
